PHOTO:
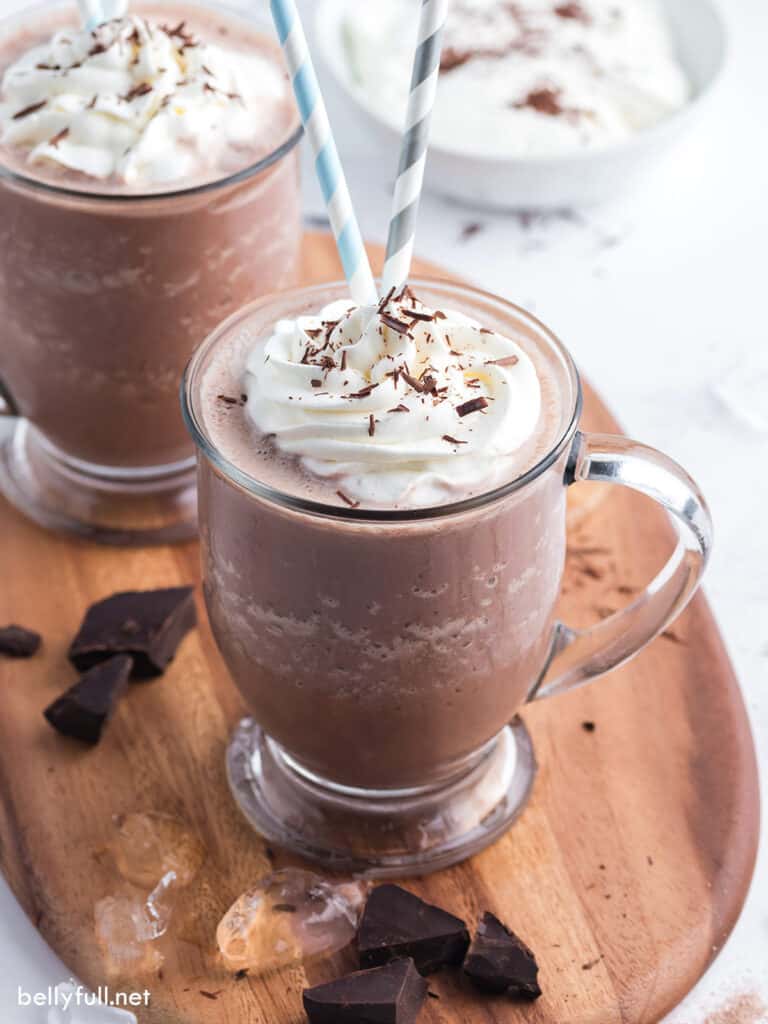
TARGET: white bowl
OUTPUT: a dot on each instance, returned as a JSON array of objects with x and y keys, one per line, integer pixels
[{"x": 577, "y": 179}]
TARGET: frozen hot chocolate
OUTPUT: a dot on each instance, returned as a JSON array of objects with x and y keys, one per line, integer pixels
[
  {"x": 379, "y": 631},
  {"x": 148, "y": 187}
]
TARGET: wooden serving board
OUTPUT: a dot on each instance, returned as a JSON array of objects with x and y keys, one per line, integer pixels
[{"x": 625, "y": 873}]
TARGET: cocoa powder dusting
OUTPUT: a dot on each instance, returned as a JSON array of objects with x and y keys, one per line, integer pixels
[{"x": 748, "y": 1008}]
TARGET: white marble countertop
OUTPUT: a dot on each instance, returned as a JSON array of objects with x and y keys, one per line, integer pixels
[{"x": 660, "y": 298}]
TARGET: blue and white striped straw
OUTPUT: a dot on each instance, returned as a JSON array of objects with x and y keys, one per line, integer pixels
[
  {"x": 96, "y": 12},
  {"x": 328, "y": 167},
  {"x": 413, "y": 153}
]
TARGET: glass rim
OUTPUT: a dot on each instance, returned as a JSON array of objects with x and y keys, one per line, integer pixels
[
  {"x": 275, "y": 496},
  {"x": 85, "y": 194}
]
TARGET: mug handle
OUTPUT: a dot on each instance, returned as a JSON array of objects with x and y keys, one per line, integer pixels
[{"x": 580, "y": 655}]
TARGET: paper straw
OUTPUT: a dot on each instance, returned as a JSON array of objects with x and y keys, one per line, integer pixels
[
  {"x": 413, "y": 153},
  {"x": 96, "y": 12},
  {"x": 314, "y": 116}
]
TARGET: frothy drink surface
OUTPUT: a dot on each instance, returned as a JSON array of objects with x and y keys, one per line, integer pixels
[{"x": 382, "y": 654}]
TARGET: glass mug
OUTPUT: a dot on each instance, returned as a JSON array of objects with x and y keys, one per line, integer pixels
[
  {"x": 103, "y": 298},
  {"x": 384, "y": 654}
]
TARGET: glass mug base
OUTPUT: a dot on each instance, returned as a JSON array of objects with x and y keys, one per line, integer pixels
[
  {"x": 381, "y": 833},
  {"x": 127, "y": 507}
]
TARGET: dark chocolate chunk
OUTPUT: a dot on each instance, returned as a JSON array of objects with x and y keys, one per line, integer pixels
[
  {"x": 84, "y": 710},
  {"x": 498, "y": 961},
  {"x": 17, "y": 642},
  {"x": 396, "y": 923},
  {"x": 393, "y": 994},
  {"x": 149, "y": 625}
]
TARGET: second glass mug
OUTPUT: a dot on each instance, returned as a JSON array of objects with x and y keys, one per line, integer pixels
[
  {"x": 103, "y": 297},
  {"x": 384, "y": 654}
]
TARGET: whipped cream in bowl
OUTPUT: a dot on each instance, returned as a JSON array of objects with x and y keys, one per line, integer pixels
[
  {"x": 541, "y": 103},
  {"x": 143, "y": 102},
  {"x": 400, "y": 405}
]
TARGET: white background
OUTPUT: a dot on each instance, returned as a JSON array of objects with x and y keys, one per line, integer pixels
[{"x": 662, "y": 299}]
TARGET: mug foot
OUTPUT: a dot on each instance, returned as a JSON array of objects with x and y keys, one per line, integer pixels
[
  {"x": 380, "y": 833},
  {"x": 128, "y": 507}
]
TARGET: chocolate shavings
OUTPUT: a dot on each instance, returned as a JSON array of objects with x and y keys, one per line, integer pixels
[
  {"x": 31, "y": 109},
  {"x": 473, "y": 405}
]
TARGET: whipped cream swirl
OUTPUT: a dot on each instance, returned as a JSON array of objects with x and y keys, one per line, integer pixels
[
  {"x": 398, "y": 405},
  {"x": 138, "y": 103}
]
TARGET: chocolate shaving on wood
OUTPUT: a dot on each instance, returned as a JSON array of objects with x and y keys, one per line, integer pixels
[
  {"x": 473, "y": 405},
  {"x": 31, "y": 109},
  {"x": 453, "y": 440},
  {"x": 347, "y": 500}
]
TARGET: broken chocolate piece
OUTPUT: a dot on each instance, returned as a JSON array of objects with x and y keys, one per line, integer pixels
[
  {"x": 396, "y": 923},
  {"x": 393, "y": 994},
  {"x": 85, "y": 708},
  {"x": 498, "y": 961},
  {"x": 18, "y": 642},
  {"x": 149, "y": 625}
]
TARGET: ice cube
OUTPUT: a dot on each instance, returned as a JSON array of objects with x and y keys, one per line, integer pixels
[
  {"x": 289, "y": 917},
  {"x": 129, "y": 924},
  {"x": 149, "y": 844}
]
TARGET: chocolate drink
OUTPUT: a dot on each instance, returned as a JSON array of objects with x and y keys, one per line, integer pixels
[
  {"x": 378, "y": 634},
  {"x": 119, "y": 253}
]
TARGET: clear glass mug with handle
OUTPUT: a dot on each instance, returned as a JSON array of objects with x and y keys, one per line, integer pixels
[
  {"x": 384, "y": 654},
  {"x": 105, "y": 292}
]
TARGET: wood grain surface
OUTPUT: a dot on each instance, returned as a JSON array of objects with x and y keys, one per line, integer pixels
[{"x": 625, "y": 873}]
